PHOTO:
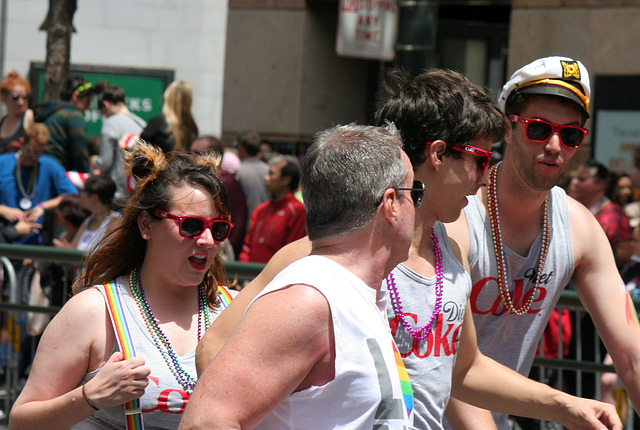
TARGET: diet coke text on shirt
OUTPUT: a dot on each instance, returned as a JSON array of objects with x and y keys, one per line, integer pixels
[{"x": 485, "y": 295}]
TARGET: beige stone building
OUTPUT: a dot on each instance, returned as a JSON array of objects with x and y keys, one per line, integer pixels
[{"x": 284, "y": 78}]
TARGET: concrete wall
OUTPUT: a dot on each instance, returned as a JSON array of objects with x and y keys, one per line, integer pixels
[
  {"x": 187, "y": 36},
  {"x": 282, "y": 74},
  {"x": 604, "y": 39},
  {"x": 603, "y": 34},
  {"x": 263, "y": 86}
]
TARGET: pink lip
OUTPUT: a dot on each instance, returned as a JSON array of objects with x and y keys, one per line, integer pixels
[{"x": 199, "y": 264}]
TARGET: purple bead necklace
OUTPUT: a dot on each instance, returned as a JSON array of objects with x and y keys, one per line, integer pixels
[
  {"x": 397, "y": 302},
  {"x": 159, "y": 338}
]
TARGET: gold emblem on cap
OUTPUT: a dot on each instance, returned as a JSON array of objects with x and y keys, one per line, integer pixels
[{"x": 570, "y": 69}]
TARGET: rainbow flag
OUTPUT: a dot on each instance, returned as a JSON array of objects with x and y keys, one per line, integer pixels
[
  {"x": 632, "y": 318},
  {"x": 405, "y": 383},
  {"x": 132, "y": 409}
]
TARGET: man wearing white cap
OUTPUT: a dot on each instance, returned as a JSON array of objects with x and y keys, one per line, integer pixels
[{"x": 526, "y": 239}]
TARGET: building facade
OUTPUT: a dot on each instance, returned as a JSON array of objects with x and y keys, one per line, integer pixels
[{"x": 271, "y": 65}]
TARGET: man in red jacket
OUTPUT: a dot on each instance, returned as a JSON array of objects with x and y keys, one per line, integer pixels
[{"x": 279, "y": 221}]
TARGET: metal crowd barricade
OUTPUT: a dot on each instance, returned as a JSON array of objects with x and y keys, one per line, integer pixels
[
  {"x": 10, "y": 278},
  {"x": 15, "y": 309},
  {"x": 581, "y": 367}
]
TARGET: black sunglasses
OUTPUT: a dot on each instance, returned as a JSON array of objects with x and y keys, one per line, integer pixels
[
  {"x": 192, "y": 227},
  {"x": 539, "y": 130},
  {"x": 417, "y": 192},
  {"x": 16, "y": 97}
]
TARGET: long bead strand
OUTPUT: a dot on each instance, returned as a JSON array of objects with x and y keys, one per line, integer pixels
[
  {"x": 159, "y": 338},
  {"x": 397, "y": 302},
  {"x": 496, "y": 233}
]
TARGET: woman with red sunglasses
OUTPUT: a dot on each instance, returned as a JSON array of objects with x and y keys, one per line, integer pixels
[
  {"x": 14, "y": 92},
  {"x": 150, "y": 290}
]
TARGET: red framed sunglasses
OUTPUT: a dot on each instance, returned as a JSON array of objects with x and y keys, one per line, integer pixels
[
  {"x": 192, "y": 227},
  {"x": 539, "y": 130},
  {"x": 484, "y": 156}
]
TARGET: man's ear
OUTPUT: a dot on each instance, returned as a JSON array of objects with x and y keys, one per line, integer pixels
[
  {"x": 508, "y": 130},
  {"x": 389, "y": 207},
  {"x": 435, "y": 153}
]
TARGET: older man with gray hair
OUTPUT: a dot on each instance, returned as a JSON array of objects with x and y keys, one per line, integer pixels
[{"x": 313, "y": 350}]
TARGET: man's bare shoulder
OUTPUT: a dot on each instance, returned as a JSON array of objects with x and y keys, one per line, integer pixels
[
  {"x": 588, "y": 241},
  {"x": 288, "y": 254},
  {"x": 295, "y": 315},
  {"x": 228, "y": 321},
  {"x": 302, "y": 296},
  {"x": 581, "y": 221}
]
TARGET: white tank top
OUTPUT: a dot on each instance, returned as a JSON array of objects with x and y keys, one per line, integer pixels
[
  {"x": 508, "y": 338},
  {"x": 165, "y": 398},
  {"x": 430, "y": 361},
  {"x": 367, "y": 391}
]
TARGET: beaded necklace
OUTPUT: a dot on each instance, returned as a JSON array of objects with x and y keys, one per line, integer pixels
[
  {"x": 397, "y": 302},
  {"x": 494, "y": 220},
  {"x": 29, "y": 193},
  {"x": 160, "y": 340}
]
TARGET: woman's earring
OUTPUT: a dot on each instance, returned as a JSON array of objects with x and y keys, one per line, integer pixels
[{"x": 145, "y": 236}]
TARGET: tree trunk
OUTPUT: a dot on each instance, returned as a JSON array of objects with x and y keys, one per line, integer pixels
[{"x": 59, "y": 26}]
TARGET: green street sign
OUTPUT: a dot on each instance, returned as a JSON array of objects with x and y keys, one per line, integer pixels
[{"x": 144, "y": 89}]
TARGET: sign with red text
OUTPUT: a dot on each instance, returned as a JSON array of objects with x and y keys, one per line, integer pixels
[{"x": 367, "y": 29}]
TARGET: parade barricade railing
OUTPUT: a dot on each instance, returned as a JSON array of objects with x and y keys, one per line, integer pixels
[{"x": 578, "y": 367}]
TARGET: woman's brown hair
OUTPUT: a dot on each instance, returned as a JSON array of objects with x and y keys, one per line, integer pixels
[{"x": 123, "y": 248}]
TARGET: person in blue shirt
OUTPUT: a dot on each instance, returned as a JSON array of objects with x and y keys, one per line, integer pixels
[{"x": 30, "y": 182}]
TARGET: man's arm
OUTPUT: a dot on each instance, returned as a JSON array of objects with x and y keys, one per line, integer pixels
[
  {"x": 222, "y": 327},
  {"x": 11, "y": 214},
  {"x": 605, "y": 297},
  {"x": 36, "y": 212},
  {"x": 283, "y": 344},
  {"x": 61, "y": 182},
  {"x": 461, "y": 415},
  {"x": 479, "y": 380}
]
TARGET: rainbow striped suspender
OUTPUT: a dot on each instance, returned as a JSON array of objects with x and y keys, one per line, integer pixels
[
  {"x": 132, "y": 409},
  {"x": 225, "y": 296}
]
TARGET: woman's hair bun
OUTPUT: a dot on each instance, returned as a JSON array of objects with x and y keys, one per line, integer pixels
[{"x": 144, "y": 160}]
